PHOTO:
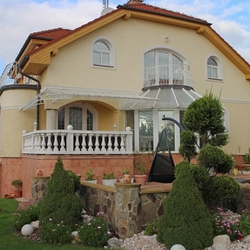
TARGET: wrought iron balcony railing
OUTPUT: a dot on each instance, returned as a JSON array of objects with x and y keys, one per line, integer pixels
[{"x": 167, "y": 74}]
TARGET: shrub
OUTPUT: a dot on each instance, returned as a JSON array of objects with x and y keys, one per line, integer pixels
[
  {"x": 222, "y": 189},
  {"x": 76, "y": 180},
  {"x": 188, "y": 144},
  {"x": 186, "y": 219},
  {"x": 152, "y": 228},
  {"x": 55, "y": 233},
  {"x": 26, "y": 216},
  {"x": 245, "y": 223},
  {"x": 212, "y": 157},
  {"x": 95, "y": 232},
  {"x": 223, "y": 224},
  {"x": 60, "y": 202}
]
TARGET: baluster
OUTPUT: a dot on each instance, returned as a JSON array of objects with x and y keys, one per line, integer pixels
[
  {"x": 35, "y": 141},
  {"x": 39, "y": 142},
  {"x": 116, "y": 143},
  {"x": 62, "y": 142},
  {"x": 49, "y": 144},
  {"x": 90, "y": 143},
  {"x": 110, "y": 143},
  {"x": 43, "y": 142},
  {"x": 77, "y": 142},
  {"x": 56, "y": 142},
  {"x": 84, "y": 143},
  {"x": 122, "y": 143},
  {"x": 103, "y": 148}
]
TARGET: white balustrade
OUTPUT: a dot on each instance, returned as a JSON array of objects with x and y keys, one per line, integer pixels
[{"x": 77, "y": 142}]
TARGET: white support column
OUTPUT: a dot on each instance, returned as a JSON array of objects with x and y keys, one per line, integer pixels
[
  {"x": 51, "y": 119},
  {"x": 155, "y": 128},
  {"x": 136, "y": 130}
]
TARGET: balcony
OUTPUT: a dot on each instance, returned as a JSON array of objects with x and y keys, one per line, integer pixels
[
  {"x": 167, "y": 74},
  {"x": 81, "y": 142}
]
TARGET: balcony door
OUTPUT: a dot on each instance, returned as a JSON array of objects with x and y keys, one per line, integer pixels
[
  {"x": 162, "y": 67},
  {"x": 80, "y": 116}
]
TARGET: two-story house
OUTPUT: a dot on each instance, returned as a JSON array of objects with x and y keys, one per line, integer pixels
[{"x": 97, "y": 94}]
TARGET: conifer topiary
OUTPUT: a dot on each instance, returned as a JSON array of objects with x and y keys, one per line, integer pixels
[
  {"x": 186, "y": 219},
  {"x": 60, "y": 202}
]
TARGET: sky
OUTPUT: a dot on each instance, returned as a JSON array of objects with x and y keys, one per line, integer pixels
[{"x": 229, "y": 18}]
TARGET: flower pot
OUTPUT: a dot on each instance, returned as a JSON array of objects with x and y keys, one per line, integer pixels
[
  {"x": 140, "y": 178},
  {"x": 126, "y": 178},
  {"x": 109, "y": 182},
  {"x": 93, "y": 181},
  {"x": 17, "y": 193}
]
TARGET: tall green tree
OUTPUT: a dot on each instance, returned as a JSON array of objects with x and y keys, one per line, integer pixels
[
  {"x": 186, "y": 219},
  {"x": 60, "y": 202},
  {"x": 204, "y": 117},
  {"x": 205, "y": 132}
]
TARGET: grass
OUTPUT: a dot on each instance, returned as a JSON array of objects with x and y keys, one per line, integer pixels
[{"x": 10, "y": 241}]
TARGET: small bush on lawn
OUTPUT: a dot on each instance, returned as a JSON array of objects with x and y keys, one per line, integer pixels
[
  {"x": 26, "y": 216},
  {"x": 60, "y": 201},
  {"x": 55, "y": 233},
  {"x": 95, "y": 232}
]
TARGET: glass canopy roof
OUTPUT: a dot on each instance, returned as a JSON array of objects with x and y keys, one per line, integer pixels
[{"x": 163, "y": 96}]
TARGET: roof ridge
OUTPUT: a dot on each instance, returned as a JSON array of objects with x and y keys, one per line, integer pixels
[{"x": 161, "y": 11}]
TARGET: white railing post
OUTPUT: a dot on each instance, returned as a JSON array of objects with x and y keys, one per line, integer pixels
[
  {"x": 70, "y": 139},
  {"x": 129, "y": 140}
]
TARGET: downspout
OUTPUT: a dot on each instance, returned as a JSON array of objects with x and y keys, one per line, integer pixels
[{"x": 38, "y": 91}]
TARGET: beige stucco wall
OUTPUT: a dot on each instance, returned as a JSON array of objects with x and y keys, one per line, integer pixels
[
  {"x": 131, "y": 38},
  {"x": 14, "y": 121}
]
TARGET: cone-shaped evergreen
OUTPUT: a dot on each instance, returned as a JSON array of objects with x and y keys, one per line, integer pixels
[
  {"x": 186, "y": 219},
  {"x": 60, "y": 203}
]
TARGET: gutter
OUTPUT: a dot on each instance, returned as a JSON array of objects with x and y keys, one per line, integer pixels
[{"x": 38, "y": 91}]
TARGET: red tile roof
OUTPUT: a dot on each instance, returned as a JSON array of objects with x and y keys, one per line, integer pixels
[
  {"x": 160, "y": 11},
  {"x": 58, "y": 33},
  {"x": 51, "y": 34}
]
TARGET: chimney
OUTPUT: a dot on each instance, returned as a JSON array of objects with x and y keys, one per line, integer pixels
[{"x": 134, "y": 1}]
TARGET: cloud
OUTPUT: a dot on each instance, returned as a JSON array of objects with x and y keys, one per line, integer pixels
[{"x": 20, "y": 18}]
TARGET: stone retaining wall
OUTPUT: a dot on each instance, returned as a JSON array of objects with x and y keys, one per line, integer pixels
[{"x": 128, "y": 207}]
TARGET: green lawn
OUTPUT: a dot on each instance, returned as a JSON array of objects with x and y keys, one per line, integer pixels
[{"x": 10, "y": 241}]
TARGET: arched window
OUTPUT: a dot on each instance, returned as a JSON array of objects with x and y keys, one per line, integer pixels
[
  {"x": 80, "y": 116},
  {"x": 103, "y": 53},
  {"x": 214, "y": 68},
  {"x": 164, "y": 67}
]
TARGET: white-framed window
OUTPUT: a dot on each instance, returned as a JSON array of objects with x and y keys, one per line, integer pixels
[
  {"x": 163, "y": 66},
  {"x": 81, "y": 116},
  {"x": 103, "y": 53},
  {"x": 148, "y": 125},
  {"x": 214, "y": 68}
]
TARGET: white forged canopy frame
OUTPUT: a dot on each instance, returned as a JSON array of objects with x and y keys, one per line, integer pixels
[
  {"x": 163, "y": 96},
  {"x": 55, "y": 93}
]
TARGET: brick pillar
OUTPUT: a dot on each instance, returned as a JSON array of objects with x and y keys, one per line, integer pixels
[{"x": 128, "y": 212}]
